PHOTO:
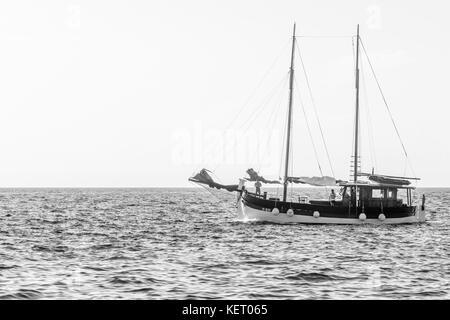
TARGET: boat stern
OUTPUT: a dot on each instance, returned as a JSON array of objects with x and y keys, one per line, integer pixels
[{"x": 421, "y": 211}]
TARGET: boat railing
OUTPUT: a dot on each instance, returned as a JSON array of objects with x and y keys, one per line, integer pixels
[{"x": 303, "y": 199}]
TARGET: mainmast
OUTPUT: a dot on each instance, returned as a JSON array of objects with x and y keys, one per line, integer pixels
[
  {"x": 355, "y": 164},
  {"x": 288, "y": 140}
]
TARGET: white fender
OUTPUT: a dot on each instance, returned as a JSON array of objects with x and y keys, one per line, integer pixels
[
  {"x": 381, "y": 217},
  {"x": 316, "y": 214},
  {"x": 362, "y": 216},
  {"x": 290, "y": 213},
  {"x": 275, "y": 211}
]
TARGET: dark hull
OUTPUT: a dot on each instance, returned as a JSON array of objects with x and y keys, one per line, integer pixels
[{"x": 326, "y": 210}]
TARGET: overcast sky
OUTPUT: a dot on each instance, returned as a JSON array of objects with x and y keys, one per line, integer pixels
[{"x": 143, "y": 93}]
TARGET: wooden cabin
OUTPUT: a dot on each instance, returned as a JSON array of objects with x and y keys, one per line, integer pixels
[{"x": 376, "y": 195}]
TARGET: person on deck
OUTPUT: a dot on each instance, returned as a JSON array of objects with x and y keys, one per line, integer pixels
[
  {"x": 258, "y": 187},
  {"x": 353, "y": 195},
  {"x": 332, "y": 198},
  {"x": 345, "y": 199}
]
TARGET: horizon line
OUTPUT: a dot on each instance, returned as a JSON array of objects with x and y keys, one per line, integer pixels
[{"x": 160, "y": 187}]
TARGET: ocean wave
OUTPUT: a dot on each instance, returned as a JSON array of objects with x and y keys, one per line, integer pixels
[{"x": 177, "y": 244}]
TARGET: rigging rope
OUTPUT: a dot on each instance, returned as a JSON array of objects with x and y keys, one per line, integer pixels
[
  {"x": 249, "y": 98},
  {"x": 253, "y": 116},
  {"x": 315, "y": 109},
  {"x": 246, "y": 125},
  {"x": 373, "y": 157},
  {"x": 329, "y": 37},
  {"x": 282, "y": 148},
  {"x": 259, "y": 84},
  {"x": 307, "y": 125},
  {"x": 272, "y": 120},
  {"x": 353, "y": 125},
  {"x": 386, "y": 104},
  {"x": 291, "y": 143}
]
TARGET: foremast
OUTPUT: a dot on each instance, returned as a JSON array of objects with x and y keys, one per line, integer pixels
[
  {"x": 288, "y": 138},
  {"x": 355, "y": 159}
]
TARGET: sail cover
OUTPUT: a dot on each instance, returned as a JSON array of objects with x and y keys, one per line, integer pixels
[
  {"x": 203, "y": 177},
  {"x": 315, "y": 181},
  {"x": 389, "y": 180},
  {"x": 254, "y": 176}
]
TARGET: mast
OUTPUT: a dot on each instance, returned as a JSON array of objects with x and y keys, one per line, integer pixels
[
  {"x": 288, "y": 140},
  {"x": 355, "y": 165}
]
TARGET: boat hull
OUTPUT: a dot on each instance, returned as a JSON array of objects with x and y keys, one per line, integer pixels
[{"x": 247, "y": 212}]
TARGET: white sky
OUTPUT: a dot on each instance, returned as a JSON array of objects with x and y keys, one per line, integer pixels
[{"x": 128, "y": 93}]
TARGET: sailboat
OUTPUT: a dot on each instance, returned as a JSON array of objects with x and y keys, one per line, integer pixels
[{"x": 367, "y": 198}]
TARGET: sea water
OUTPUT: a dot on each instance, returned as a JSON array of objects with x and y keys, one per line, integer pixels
[{"x": 188, "y": 244}]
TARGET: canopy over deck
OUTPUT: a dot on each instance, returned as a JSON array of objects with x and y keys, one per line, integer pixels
[{"x": 374, "y": 185}]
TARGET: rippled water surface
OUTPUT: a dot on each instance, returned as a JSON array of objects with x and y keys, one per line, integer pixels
[{"x": 185, "y": 243}]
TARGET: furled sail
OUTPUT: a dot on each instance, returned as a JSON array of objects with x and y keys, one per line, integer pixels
[
  {"x": 203, "y": 177},
  {"x": 254, "y": 176},
  {"x": 315, "y": 181},
  {"x": 389, "y": 180}
]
